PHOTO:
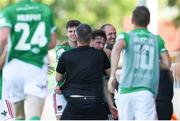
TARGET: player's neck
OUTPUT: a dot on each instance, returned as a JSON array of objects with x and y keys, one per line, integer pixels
[
  {"x": 140, "y": 27},
  {"x": 72, "y": 43},
  {"x": 80, "y": 44}
]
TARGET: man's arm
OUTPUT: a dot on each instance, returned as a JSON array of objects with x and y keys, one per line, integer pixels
[
  {"x": 109, "y": 100},
  {"x": 59, "y": 77},
  {"x": 108, "y": 52},
  {"x": 165, "y": 61},
  {"x": 2, "y": 58},
  {"x": 108, "y": 71},
  {"x": 4, "y": 33},
  {"x": 53, "y": 42},
  {"x": 115, "y": 56}
]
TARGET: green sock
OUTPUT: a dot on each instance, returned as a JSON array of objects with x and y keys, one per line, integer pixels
[
  {"x": 20, "y": 119},
  {"x": 35, "y": 118}
]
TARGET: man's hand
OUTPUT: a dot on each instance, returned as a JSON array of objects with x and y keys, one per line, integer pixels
[
  {"x": 114, "y": 111},
  {"x": 108, "y": 52},
  {"x": 57, "y": 90}
]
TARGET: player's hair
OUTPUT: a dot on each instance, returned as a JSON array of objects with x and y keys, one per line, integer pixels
[
  {"x": 97, "y": 33},
  {"x": 72, "y": 23},
  {"x": 84, "y": 31},
  {"x": 141, "y": 16}
]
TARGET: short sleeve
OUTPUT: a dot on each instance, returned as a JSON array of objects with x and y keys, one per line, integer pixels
[
  {"x": 5, "y": 21},
  {"x": 123, "y": 36},
  {"x": 161, "y": 44},
  {"x": 51, "y": 21}
]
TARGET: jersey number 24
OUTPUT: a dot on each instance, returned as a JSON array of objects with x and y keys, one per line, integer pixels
[{"x": 38, "y": 38}]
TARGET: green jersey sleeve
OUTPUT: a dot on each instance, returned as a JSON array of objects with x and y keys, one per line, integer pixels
[
  {"x": 123, "y": 36},
  {"x": 5, "y": 20},
  {"x": 161, "y": 44},
  {"x": 51, "y": 22}
]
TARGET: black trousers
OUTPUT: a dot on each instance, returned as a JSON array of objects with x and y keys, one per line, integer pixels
[
  {"x": 164, "y": 110},
  {"x": 84, "y": 109},
  {"x": 164, "y": 97}
]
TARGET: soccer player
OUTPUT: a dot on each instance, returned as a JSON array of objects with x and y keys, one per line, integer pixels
[
  {"x": 140, "y": 72},
  {"x": 71, "y": 27},
  {"x": 59, "y": 101},
  {"x": 28, "y": 30},
  {"x": 98, "y": 39}
]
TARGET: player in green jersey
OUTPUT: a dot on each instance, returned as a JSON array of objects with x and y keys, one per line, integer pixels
[
  {"x": 72, "y": 38},
  {"x": 28, "y": 30},
  {"x": 140, "y": 71},
  {"x": 59, "y": 101}
]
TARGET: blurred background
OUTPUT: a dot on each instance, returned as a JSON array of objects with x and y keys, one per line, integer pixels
[{"x": 165, "y": 20}]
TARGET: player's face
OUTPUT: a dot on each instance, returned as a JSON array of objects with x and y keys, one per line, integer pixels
[
  {"x": 98, "y": 43},
  {"x": 71, "y": 33},
  {"x": 110, "y": 34}
]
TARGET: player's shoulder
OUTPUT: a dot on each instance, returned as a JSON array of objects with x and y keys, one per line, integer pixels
[
  {"x": 157, "y": 37},
  {"x": 123, "y": 36},
  {"x": 65, "y": 43},
  {"x": 8, "y": 8},
  {"x": 62, "y": 45},
  {"x": 43, "y": 5}
]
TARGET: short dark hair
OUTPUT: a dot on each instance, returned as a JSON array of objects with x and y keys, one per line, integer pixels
[
  {"x": 141, "y": 16},
  {"x": 83, "y": 32},
  {"x": 72, "y": 23},
  {"x": 97, "y": 33}
]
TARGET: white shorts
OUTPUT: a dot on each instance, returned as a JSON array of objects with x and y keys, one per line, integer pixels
[
  {"x": 138, "y": 105},
  {"x": 59, "y": 104},
  {"x": 6, "y": 110},
  {"x": 21, "y": 79}
]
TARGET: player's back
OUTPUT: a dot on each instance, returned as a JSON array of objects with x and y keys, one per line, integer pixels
[
  {"x": 141, "y": 61},
  {"x": 31, "y": 25}
]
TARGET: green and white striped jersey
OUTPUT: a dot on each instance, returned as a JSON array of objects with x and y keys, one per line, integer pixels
[{"x": 141, "y": 61}]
